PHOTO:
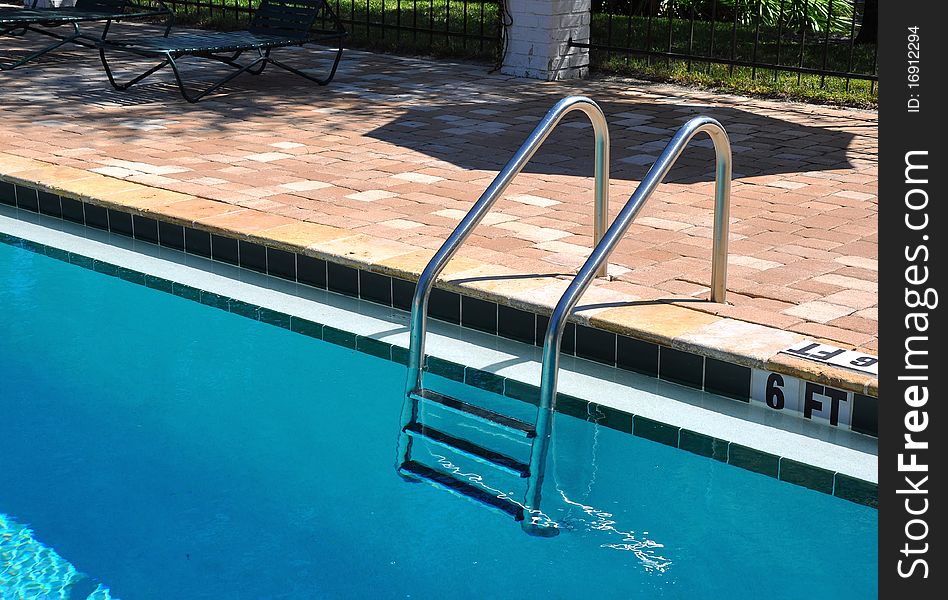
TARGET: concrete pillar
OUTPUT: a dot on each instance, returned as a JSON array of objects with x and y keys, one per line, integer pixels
[
  {"x": 538, "y": 39},
  {"x": 48, "y": 3}
]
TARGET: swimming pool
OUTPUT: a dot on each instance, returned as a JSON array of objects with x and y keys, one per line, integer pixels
[{"x": 169, "y": 449}]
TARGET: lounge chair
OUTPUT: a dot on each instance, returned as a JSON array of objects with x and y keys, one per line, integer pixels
[
  {"x": 275, "y": 24},
  {"x": 45, "y": 21}
]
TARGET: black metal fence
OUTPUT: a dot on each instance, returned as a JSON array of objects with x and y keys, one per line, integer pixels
[
  {"x": 761, "y": 38},
  {"x": 468, "y": 28},
  {"x": 811, "y": 44}
]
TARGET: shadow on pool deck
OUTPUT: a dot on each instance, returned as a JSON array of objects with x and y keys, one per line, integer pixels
[
  {"x": 761, "y": 145},
  {"x": 477, "y": 133}
]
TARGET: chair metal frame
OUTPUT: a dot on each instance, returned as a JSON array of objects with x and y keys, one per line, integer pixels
[
  {"x": 276, "y": 24},
  {"x": 16, "y": 22}
]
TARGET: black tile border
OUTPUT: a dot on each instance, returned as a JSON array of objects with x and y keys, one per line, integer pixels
[
  {"x": 197, "y": 242},
  {"x": 274, "y": 317},
  {"x": 281, "y": 263},
  {"x": 252, "y": 256},
  {"x": 445, "y": 306},
  {"x": 400, "y": 355},
  {"x": 304, "y": 326},
  {"x": 678, "y": 366},
  {"x": 311, "y": 271},
  {"x": 516, "y": 324},
  {"x": 96, "y": 216},
  {"x": 821, "y": 480},
  {"x": 576, "y": 407},
  {"x": 120, "y": 223},
  {"x": 244, "y": 309},
  {"x": 727, "y": 379},
  {"x": 72, "y": 210},
  {"x": 610, "y": 417},
  {"x": 567, "y": 342},
  {"x": 374, "y": 347},
  {"x": 402, "y": 293},
  {"x": 49, "y": 204},
  {"x": 159, "y": 283},
  {"x": 596, "y": 345},
  {"x": 171, "y": 235},
  {"x": 669, "y": 364},
  {"x": 27, "y": 198},
  {"x": 146, "y": 229},
  {"x": 865, "y": 415},
  {"x": 224, "y": 249},
  {"x": 375, "y": 288},
  {"x": 479, "y": 314},
  {"x": 637, "y": 355},
  {"x": 342, "y": 279},
  {"x": 7, "y": 193}
]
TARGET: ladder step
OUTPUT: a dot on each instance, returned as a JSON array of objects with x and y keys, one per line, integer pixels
[
  {"x": 457, "y": 486},
  {"x": 469, "y": 448},
  {"x": 516, "y": 425}
]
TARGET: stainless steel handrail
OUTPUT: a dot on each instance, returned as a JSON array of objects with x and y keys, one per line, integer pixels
[
  {"x": 566, "y": 304},
  {"x": 419, "y": 303}
]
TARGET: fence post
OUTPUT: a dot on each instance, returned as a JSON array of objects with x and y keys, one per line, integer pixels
[{"x": 538, "y": 39}]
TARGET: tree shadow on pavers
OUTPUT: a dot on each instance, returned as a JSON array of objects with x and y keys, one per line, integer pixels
[
  {"x": 484, "y": 136},
  {"x": 569, "y": 276},
  {"x": 450, "y": 111},
  {"x": 65, "y": 82},
  {"x": 654, "y": 302},
  {"x": 516, "y": 277}
]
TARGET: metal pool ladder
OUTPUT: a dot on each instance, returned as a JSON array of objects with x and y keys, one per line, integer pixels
[{"x": 540, "y": 432}]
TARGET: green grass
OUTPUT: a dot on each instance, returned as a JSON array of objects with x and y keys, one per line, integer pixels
[
  {"x": 434, "y": 27},
  {"x": 744, "y": 81},
  {"x": 696, "y": 41}
]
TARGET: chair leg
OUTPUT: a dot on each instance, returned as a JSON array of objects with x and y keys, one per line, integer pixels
[
  {"x": 195, "y": 97},
  {"x": 332, "y": 71},
  {"x": 13, "y": 31},
  {"x": 131, "y": 82},
  {"x": 227, "y": 60},
  {"x": 254, "y": 67},
  {"x": 62, "y": 40},
  {"x": 232, "y": 61},
  {"x": 263, "y": 63},
  {"x": 170, "y": 60}
]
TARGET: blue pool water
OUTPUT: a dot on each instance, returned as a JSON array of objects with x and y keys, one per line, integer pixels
[{"x": 167, "y": 449}]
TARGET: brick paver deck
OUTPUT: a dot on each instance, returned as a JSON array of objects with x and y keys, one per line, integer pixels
[{"x": 398, "y": 149}]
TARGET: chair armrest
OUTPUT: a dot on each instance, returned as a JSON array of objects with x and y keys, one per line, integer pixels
[
  {"x": 137, "y": 10},
  {"x": 169, "y": 22}
]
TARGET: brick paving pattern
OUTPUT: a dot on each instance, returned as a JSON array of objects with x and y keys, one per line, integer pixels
[{"x": 398, "y": 149}]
